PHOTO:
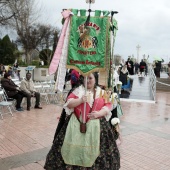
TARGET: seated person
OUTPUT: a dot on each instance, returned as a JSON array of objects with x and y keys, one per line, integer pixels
[
  {"x": 12, "y": 90},
  {"x": 27, "y": 86}
]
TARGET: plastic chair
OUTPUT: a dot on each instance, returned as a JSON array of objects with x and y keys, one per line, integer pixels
[
  {"x": 42, "y": 89},
  {"x": 4, "y": 103},
  {"x": 10, "y": 100}
]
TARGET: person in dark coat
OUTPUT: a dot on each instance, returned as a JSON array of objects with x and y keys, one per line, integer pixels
[
  {"x": 136, "y": 65},
  {"x": 12, "y": 90},
  {"x": 142, "y": 66},
  {"x": 123, "y": 75},
  {"x": 169, "y": 69},
  {"x": 158, "y": 68},
  {"x": 130, "y": 66}
]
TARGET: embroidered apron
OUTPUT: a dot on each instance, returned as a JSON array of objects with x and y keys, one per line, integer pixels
[{"x": 81, "y": 149}]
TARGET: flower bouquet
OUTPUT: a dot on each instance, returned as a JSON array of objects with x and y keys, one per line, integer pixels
[{"x": 115, "y": 122}]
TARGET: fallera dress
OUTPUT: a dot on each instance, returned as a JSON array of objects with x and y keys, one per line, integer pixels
[{"x": 94, "y": 150}]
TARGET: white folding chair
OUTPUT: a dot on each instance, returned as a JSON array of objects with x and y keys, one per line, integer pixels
[
  {"x": 8, "y": 99},
  {"x": 4, "y": 103},
  {"x": 53, "y": 96},
  {"x": 45, "y": 91},
  {"x": 61, "y": 96},
  {"x": 42, "y": 89},
  {"x": 65, "y": 93}
]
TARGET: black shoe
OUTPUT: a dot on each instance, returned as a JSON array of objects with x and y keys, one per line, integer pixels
[
  {"x": 28, "y": 108},
  {"x": 20, "y": 109},
  {"x": 38, "y": 107}
]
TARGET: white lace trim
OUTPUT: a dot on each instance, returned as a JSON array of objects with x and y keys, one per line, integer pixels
[
  {"x": 62, "y": 64},
  {"x": 68, "y": 111},
  {"x": 80, "y": 91}
]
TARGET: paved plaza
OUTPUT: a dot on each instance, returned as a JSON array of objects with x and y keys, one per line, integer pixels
[{"x": 25, "y": 139}]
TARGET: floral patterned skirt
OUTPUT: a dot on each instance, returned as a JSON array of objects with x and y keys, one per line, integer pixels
[{"x": 109, "y": 158}]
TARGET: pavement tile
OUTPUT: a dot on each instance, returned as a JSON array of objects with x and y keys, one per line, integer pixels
[{"x": 26, "y": 138}]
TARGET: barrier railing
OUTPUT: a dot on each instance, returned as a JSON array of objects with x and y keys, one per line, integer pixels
[{"x": 152, "y": 82}]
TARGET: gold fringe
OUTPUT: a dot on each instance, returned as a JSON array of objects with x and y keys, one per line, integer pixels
[{"x": 87, "y": 73}]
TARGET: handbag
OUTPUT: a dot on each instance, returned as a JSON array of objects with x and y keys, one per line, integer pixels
[
  {"x": 82, "y": 127},
  {"x": 119, "y": 110}
]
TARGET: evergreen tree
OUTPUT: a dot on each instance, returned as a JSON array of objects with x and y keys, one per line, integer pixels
[{"x": 7, "y": 51}]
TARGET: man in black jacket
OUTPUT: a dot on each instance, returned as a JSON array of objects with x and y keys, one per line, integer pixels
[
  {"x": 158, "y": 68},
  {"x": 12, "y": 90}
]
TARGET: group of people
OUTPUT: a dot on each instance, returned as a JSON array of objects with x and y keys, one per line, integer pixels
[
  {"x": 14, "y": 71},
  {"x": 121, "y": 78},
  {"x": 26, "y": 89},
  {"x": 84, "y": 137},
  {"x": 137, "y": 68}
]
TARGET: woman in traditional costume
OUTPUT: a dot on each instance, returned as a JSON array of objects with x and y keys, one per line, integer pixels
[{"x": 92, "y": 149}]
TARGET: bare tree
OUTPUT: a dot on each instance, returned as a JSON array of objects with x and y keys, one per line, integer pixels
[
  {"x": 50, "y": 36},
  {"x": 5, "y": 13},
  {"x": 49, "y": 42},
  {"x": 26, "y": 15},
  {"x": 38, "y": 37},
  {"x": 31, "y": 35}
]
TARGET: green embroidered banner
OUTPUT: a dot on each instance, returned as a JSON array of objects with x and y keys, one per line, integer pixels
[{"x": 87, "y": 49}]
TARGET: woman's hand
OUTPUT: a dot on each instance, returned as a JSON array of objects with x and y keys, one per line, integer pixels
[
  {"x": 75, "y": 102},
  {"x": 93, "y": 115},
  {"x": 97, "y": 114},
  {"x": 18, "y": 89},
  {"x": 84, "y": 99}
]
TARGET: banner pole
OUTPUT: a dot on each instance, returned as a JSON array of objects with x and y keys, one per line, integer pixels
[{"x": 84, "y": 112}]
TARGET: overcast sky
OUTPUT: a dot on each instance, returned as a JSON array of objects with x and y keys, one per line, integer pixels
[
  {"x": 140, "y": 22},
  {"x": 143, "y": 22}
]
